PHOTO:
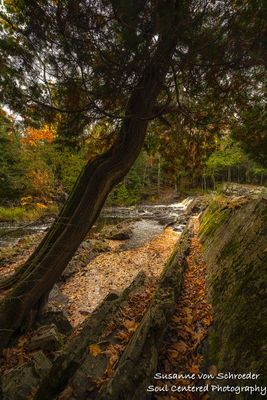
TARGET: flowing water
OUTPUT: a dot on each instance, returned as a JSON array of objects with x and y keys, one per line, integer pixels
[{"x": 146, "y": 222}]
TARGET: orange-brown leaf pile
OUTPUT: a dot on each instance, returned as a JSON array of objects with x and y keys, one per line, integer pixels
[
  {"x": 114, "y": 271},
  {"x": 189, "y": 325}
]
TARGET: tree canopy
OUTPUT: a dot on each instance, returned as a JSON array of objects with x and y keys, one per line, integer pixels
[{"x": 83, "y": 67}]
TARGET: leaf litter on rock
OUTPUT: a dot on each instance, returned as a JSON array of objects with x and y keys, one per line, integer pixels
[
  {"x": 189, "y": 325},
  {"x": 114, "y": 271}
]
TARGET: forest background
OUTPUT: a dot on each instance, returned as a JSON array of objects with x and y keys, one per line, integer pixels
[{"x": 39, "y": 167}]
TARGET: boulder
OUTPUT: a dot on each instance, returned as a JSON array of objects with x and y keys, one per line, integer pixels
[
  {"x": 45, "y": 338},
  {"x": 18, "y": 383},
  {"x": 59, "y": 319},
  {"x": 118, "y": 232}
]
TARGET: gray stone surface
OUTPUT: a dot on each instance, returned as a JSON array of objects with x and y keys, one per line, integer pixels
[
  {"x": 45, "y": 338},
  {"x": 18, "y": 383}
]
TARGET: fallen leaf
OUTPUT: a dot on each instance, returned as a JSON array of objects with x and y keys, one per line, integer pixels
[
  {"x": 122, "y": 335},
  {"x": 94, "y": 350},
  {"x": 130, "y": 325},
  {"x": 181, "y": 347}
]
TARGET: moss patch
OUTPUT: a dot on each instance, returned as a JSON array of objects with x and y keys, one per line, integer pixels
[{"x": 235, "y": 249}]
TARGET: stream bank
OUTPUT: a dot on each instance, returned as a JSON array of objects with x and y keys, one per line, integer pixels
[
  {"x": 234, "y": 237},
  {"x": 114, "y": 263},
  {"x": 122, "y": 336},
  {"x": 124, "y": 241}
]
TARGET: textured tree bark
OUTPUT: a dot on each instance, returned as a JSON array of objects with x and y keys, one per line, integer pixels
[{"x": 36, "y": 278}]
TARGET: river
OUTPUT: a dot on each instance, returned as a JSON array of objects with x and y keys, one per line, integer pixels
[{"x": 147, "y": 221}]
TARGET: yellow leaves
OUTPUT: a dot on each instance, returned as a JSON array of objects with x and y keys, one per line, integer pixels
[
  {"x": 32, "y": 135},
  {"x": 40, "y": 205},
  {"x": 113, "y": 354},
  {"x": 130, "y": 325},
  {"x": 26, "y": 200},
  {"x": 189, "y": 326},
  {"x": 122, "y": 336},
  {"x": 38, "y": 202},
  {"x": 94, "y": 350}
]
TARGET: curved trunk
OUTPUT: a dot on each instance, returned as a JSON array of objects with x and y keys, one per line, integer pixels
[{"x": 44, "y": 267}]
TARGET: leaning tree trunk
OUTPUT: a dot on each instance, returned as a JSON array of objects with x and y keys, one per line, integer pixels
[{"x": 37, "y": 276}]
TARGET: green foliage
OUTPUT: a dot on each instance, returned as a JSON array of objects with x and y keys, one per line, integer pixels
[
  {"x": 122, "y": 196},
  {"x": 130, "y": 191},
  {"x": 225, "y": 158},
  {"x": 14, "y": 214},
  {"x": 12, "y": 180},
  {"x": 64, "y": 164},
  {"x": 251, "y": 132},
  {"x": 39, "y": 169},
  {"x": 230, "y": 162}
]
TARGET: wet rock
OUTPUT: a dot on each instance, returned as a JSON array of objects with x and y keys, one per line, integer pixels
[
  {"x": 59, "y": 320},
  {"x": 118, "y": 232},
  {"x": 18, "y": 383},
  {"x": 46, "y": 338},
  {"x": 178, "y": 228},
  {"x": 167, "y": 220},
  {"x": 121, "y": 235},
  {"x": 143, "y": 231}
]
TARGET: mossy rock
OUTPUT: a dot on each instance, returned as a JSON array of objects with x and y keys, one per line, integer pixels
[
  {"x": 17, "y": 383},
  {"x": 234, "y": 238}
]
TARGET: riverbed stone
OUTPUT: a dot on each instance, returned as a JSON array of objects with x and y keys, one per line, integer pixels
[{"x": 118, "y": 232}]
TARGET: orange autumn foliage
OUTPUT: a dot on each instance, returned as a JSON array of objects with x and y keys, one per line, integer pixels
[{"x": 32, "y": 135}]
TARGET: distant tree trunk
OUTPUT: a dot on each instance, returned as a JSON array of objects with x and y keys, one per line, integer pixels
[
  {"x": 214, "y": 181},
  {"x": 159, "y": 175},
  {"x": 229, "y": 174},
  {"x": 204, "y": 183},
  {"x": 38, "y": 275},
  {"x": 178, "y": 183},
  {"x": 145, "y": 174}
]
